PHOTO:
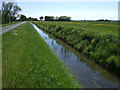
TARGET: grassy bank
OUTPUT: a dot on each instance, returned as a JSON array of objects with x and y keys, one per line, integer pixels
[
  {"x": 3, "y": 25},
  {"x": 28, "y": 62},
  {"x": 97, "y": 41}
]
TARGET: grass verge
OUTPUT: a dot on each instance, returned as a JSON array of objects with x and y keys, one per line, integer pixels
[
  {"x": 28, "y": 62},
  {"x": 3, "y": 25}
]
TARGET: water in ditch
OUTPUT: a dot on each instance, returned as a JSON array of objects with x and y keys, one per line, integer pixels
[{"x": 88, "y": 74}]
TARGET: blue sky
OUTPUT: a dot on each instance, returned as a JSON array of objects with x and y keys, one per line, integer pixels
[{"x": 76, "y": 10}]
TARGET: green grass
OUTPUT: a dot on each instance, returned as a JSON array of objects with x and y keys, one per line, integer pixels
[
  {"x": 100, "y": 22},
  {"x": 3, "y": 25},
  {"x": 95, "y": 26},
  {"x": 28, "y": 62},
  {"x": 97, "y": 41}
]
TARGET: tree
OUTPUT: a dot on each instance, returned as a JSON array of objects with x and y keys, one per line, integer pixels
[
  {"x": 61, "y": 18},
  {"x": 15, "y": 11},
  {"x": 9, "y": 10},
  {"x": 6, "y": 11},
  {"x": 64, "y": 18},
  {"x": 41, "y": 18},
  {"x": 34, "y": 19},
  {"x": 49, "y": 18},
  {"x": 23, "y": 18},
  {"x": 103, "y": 20},
  {"x": 29, "y": 18}
]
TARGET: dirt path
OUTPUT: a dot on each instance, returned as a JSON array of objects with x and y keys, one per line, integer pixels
[{"x": 7, "y": 28}]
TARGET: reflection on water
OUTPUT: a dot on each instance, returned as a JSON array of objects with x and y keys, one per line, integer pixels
[{"x": 88, "y": 74}]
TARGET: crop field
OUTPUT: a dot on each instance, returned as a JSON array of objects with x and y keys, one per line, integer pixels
[
  {"x": 96, "y": 39},
  {"x": 93, "y": 26}
]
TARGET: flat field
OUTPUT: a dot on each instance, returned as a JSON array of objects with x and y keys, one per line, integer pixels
[{"x": 92, "y": 26}]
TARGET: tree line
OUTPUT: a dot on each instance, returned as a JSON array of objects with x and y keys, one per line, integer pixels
[
  {"x": 52, "y": 18},
  {"x": 24, "y": 18},
  {"x": 9, "y": 13},
  {"x": 46, "y": 18}
]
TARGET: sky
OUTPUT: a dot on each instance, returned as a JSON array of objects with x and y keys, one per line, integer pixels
[{"x": 76, "y": 10}]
